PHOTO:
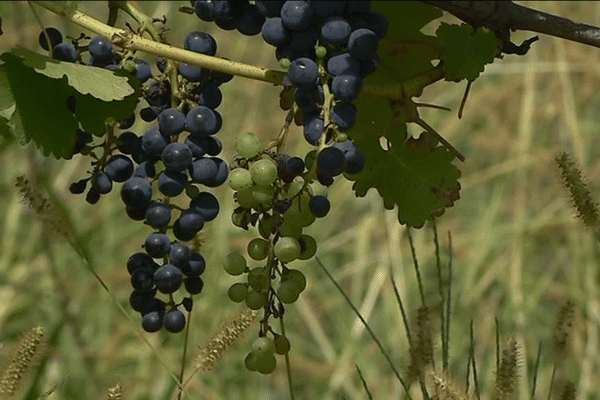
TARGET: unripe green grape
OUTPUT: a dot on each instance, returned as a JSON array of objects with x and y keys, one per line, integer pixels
[
  {"x": 341, "y": 137},
  {"x": 284, "y": 63},
  {"x": 263, "y": 172},
  {"x": 321, "y": 52},
  {"x": 258, "y": 278},
  {"x": 237, "y": 218},
  {"x": 265, "y": 364},
  {"x": 290, "y": 229},
  {"x": 235, "y": 264},
  {"x": 282, "y": 344},
  {"x": 316, "y": 189},
  {"x": 287, "y": 293},
  {"x": 263, "y": 194},
  {"x": 287, "y": 249},
  {"x": 295, "y": 279},
  {"x": 263, "y": 346},
  {"x": 256, "y": 300},
  {"x": 239, "y": 179},
  {"x": 295, "y": 186},
  {"x": 308, "y": 247},
  {"x": 247, "y": 145},
  {"x": 238, "y": 292},
  {"x": 251, "y": 361},
  {"x": 258, "y": 249},
  {"x": 245, "y": 198},
  {"x": 192, "y": 191},
  {"x": 299, "y": 213},
  {"x": 265, "y": 225},
  {"x": 310, "y": 159}
]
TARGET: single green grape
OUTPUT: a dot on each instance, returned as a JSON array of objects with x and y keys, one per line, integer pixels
[
  {"x": 263, "y": 194},
  {"x": 282, "y": 344},
  {"x": 239, "y": 179},
  {"x": 247, "y": 145},
  {"x": 287, "y": 293},
  {"x": 299, "y": 213},
  {"x": 238, "y": 292},
  {"x": 284, "y": 63},
  {"x": 258, "y": 249},
  {"x": 235, "y": 264},
  {"x": 265, "y": 364},
  {"x": 237, "y": 218},
  {"x": 258, "y": 278},
  {"x": 263, "y": 172},
  {"x": 295, "y": 278},
  {"x": 287, "y": 249},
  {"x": 245, "y": 198},
  {"x": 321, "y": 52},
  {"x": 256, "y": 300},
  {"x": 192, "y": 191},
  {"x": 263, "y": 345},
  {"x": 265, "y": 225},
  {"x": 290, "y": 229},
  {"x": 295, "y": 186},
  {"x": 308, "y": 247},
  {"x": 316, "y": 189},
  {"x": 251, "y": 361}
]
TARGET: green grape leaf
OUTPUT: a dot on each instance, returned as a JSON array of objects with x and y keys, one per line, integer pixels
[
  {"x": 412, "y": 174},
  {"x": 466, "y": 53},
  {"x": 406, "y": 51},
  {"x": 38, "y": 92},
  {"x": 99, "y": 82}
]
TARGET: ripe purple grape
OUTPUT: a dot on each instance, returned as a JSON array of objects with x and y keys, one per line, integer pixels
[
  {"x": 158, "y": 215},
  {"x": 319, "y": 206},
  {"x": 303, "y": 72},
  {"x": 119, "y": 168},
  {"x": 152, "y": 321},
  {"x": 174, "y": 321},
  {"x": 200, "y": 42},
  {"x": 171, "y": 121},
  {"x": 168, "y": 278},
  {"x": 274, "y": 33},
  {"x": 176, "y": 156},
  {"x": 346, "y": 87},
  {"x": 202, "y": 121},
  {"x": 136, "y": 192},
  {"x": 100, "y": 48},
  {"x": 336, "y": 30},
  {"x": 157, "y": 244},
  {"x": 55, "y": 38},
  {"x": 362, "y": 43},
  {"x": 171, "y": 183},
  {"x": 330, "y": 161},
  {"x": 64, "y": 51}
]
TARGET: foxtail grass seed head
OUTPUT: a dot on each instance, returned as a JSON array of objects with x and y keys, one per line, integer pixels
[
  {"x": 421, "y": 346},
  {"x": 211, "y": 353},
  {"x": 507, "y": 374},
  {"x": 20, "y": 361},
  {"x": 443, "y": 386},
  {"x": 587, "y": 208},
  {"x": 115, "y": 393},
  {"x": 43, "y": 208},
  {"x": 563, "y": 331}
]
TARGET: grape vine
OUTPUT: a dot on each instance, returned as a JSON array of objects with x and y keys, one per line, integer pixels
[{"x": 348, "y": 79}]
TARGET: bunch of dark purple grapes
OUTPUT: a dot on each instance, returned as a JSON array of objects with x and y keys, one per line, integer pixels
[
  {"x": 323, "y": 43},
  {"x": 175, "y": 156}
]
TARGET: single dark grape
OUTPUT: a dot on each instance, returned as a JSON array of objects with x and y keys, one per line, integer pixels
[
  {"x": 202, "y": 121},
  {"x": 149, "y": 114},
  {"x": 146, "y": 169},
  {"x": 269, "y": 8},
  {"x": 103, "y": 182},
  {"x": 251, "y": 21},
  {"x": 304, "y": 41},
  {"x": 142, "y": 300},
  {"x": 274, "y": 33},
  {"x": 210, "y": 95},
  {"x": 200, "y": 42},
  {"x": 65, "y": 51},
  {"x": 136, "y": 213},
  {"x": 119, "y": 168},
  {"x": 100, "y": 48},
  {"x": 93, "y": 195},
  {"x": 204, "y": 10},
  {"x": 176, "y": 156},
  {"x": 330, "y": 161},
  {"x": 139, "y": 260},
  {"x": 152, "y": 321},
  {"x": 346, "y": 87},
  {"x": 191, "y": 220},
  {"x": 79, "y": 186},
  {"x": 197, "y": 145},
  {"x": 343, "y": 115},
  {"x": 362, "y": 43},
  {"x": 203, "y": 170},
  {"x": 168, "y": 278},
  {"x": 303, "y": 72},
  {"x": 158, "y": 93},
  {"x": 193, "y": 285},
  {"x": 153, "y": 142},
  {"x": 171, "y": 121},
  {"x": 195, "y": 266},
  {"x": 171, "y": 183},
  {"x": 313, "y": 128},
  {"x": 192, "y": 73},
  {"x": 55, "y": 38},
  {"x": 157, "y": 244},
  {"x": 336, "y": 30},
  {"x": 142, "y": 278},
  {"x": 143, "y": 71},
  {"x": 296, "y": 15},
  {"x": 206, "y": 204},
  {"x": 319, "y": 205},
  {"x": 174, "y": 321},
  {"x": 180, "y": 254},
  {"x": 158, "y": 215},
  {"x": 222, "y": 173},
  {"x": 343, "y": 64}
]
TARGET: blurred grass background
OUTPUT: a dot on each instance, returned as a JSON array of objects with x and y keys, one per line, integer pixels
[{"x": 518, "y": 251}]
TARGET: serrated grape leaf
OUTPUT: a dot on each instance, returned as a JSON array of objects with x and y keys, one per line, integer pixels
[
  {"x": 421, "y": 181},
  {"x": 98, "y": 82},
  {"x": 466, "y": 54},
  {"x": 40, "y": 106},
  {"x": 406, "y": 51}
]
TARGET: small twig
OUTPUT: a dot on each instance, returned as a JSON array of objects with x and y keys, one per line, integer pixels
[
  {"x": 432, "y": 131},
  {"x": 464, "y": 99}
]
